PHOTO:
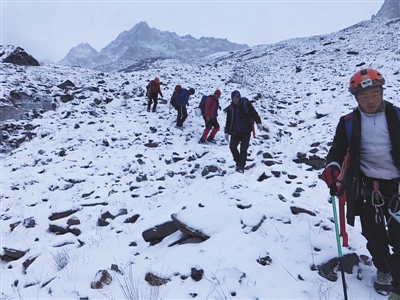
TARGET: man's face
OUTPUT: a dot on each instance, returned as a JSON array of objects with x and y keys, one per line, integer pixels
[
  {"x": 235, "y": 100},
  {"x": 370, "y": 99}
]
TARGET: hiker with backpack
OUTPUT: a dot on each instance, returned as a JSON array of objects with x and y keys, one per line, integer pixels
[
  {"x": 153, "y": 89},
  {"x": 175, "y": 95},
  {"x": 240, "y": 118},
  {"x": 366, "y": 153},
  {"x": 210, "y": 115},
  {"x": 181, "y": 103}
]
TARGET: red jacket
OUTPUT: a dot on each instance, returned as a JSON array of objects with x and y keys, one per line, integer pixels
[
  {"x": 211, "y": 109},
  {"x": 154, "y": 88}
]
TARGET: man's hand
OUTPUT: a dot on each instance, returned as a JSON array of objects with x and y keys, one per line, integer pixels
[
  {"x": 259, "y": 127},
  {"x": 330, "y": 175}
]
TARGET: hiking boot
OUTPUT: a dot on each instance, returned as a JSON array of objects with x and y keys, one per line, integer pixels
[
  {"x": 394, "y": 296},
  {"x": 202, "y": 141},
  {"x": 211, "y": 140},
  {"x": 148, "y": 110},
  {"x": 239, "y": 168},
  {"x": 383, "y": 283}
]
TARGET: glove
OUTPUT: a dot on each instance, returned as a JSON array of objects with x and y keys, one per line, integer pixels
[
  {"x": 259, "y": 127},
  {"x": 330, "y": 175},
  {"x": 227, "y": 136}
]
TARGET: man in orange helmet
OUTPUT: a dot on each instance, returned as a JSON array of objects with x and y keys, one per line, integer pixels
[
  {"x": 370, "y": 138},
  {"x": 153, "y": 89}
]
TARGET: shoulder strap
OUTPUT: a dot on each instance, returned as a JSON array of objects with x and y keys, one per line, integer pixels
[
  {"x": 245, "y": 100},
  {"x": 349, "y": 126}
]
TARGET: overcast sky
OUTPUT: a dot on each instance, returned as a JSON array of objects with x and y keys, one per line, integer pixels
[{"x": 49, "y": 29}]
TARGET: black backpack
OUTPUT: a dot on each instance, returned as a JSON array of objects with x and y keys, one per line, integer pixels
[
  {"x": 148, "y": 88},
  {"x": 175, "y": 95}
]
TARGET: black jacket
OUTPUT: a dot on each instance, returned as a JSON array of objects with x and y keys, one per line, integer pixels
[
  {"x": 246, "y": 117},
  {"x": 340, "y": 146}
]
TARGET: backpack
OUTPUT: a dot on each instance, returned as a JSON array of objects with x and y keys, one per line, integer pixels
[
  {"x": 175, "y": 95},
  {"x": 349, "y": 123},
  {"x": 201, "y": 109},
  {"x": 148, "y": 88}
]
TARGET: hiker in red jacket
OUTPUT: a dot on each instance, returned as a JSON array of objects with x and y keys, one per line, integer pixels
[
  {"x": 153, "y": 89},
  {"x": 368, "y": 141},
  {"x": 210, "y": 118}
]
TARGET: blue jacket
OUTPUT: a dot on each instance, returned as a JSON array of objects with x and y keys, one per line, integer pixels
[{"x": 183, "y": 98}]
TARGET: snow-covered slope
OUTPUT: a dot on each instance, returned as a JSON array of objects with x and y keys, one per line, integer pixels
[{"x": 99, "y": 174}]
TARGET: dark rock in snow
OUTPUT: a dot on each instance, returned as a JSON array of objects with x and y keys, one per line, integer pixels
[{"x": 20, "y": 57}]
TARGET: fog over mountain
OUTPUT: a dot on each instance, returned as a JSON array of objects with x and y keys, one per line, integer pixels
[{"x": 143, "y": 42}]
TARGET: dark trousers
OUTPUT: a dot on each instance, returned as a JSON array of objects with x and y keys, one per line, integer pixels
[
  {"x": 152, "y": 98},
  {"x": 379, "y": 239},
  {"x": 242, "y": 138},
  {"x": 182, "y": 115}
]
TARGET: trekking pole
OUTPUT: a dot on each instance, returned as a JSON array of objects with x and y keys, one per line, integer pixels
[{"x": 333, "y": 198}]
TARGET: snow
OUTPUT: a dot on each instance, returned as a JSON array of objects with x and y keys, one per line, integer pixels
[{"x": 37, "y": 181}]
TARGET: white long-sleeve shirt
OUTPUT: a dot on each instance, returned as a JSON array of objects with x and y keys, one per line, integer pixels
[{"x": 376, "y": 160}]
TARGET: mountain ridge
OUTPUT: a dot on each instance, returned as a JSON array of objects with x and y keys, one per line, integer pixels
[{"x": 143, "y": 42}]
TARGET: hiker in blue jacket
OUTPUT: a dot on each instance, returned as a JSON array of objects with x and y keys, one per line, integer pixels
[
  {"x": 210, "y": 118},
  {"x": 239, "y": 124},
  {"x": 370, "y": 136},
  {"x": 181, "y": 102}
]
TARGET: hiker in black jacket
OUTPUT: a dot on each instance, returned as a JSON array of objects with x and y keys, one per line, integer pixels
[
  {"x": 370, "y": 135},
  {"x": 239, "y": 124}
]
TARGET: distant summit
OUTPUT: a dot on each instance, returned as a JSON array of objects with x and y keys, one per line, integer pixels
[
  {"x": 143, "y": 42},
  {"x": 82, "y": 55},
  {"x": 389, "y": 10}
]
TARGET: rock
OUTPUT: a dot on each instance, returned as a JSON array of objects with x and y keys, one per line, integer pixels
[
  {"x": 20, "y": 57},
  {"x": 103, "y": 277},
  {"x": 158, "y": 233}
]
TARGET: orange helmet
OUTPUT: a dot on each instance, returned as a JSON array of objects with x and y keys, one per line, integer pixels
[{"x": 364, "y": 79}]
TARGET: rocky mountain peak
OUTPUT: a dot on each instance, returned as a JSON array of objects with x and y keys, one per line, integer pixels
[
  {"x": 81, "y": 55},
  {"x": 142, "y": 42},
  {"x": 389, "y": 10}
]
